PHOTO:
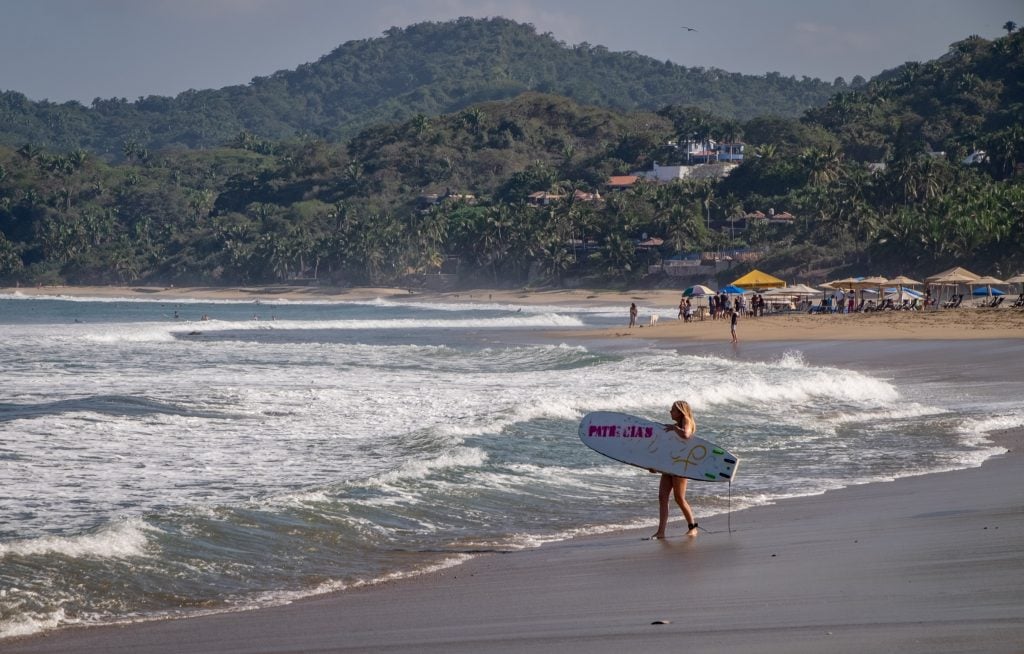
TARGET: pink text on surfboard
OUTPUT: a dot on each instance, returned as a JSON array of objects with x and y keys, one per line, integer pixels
[{"x": 621, "y": 431}]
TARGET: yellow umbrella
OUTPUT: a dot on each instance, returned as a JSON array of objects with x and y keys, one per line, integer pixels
[{"x": 758, "y": 279}]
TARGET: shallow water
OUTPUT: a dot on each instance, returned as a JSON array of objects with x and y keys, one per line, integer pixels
[{"x": 152, "y": 463}]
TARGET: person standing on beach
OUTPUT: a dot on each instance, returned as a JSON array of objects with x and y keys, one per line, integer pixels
[
  {"x": 632, "y": 314},
  {"x": 684, "y": 426},
  {"x": 732, "y": 325}
]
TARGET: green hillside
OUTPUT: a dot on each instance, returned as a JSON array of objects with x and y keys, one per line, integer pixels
[
  {"x": 970, "y": 99},
  {"x": 404, "y": 200},
  {"x": 428, "y": 69}
]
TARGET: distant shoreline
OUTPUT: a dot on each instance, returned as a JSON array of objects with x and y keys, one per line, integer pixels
[{"x": 966, "y": 323}]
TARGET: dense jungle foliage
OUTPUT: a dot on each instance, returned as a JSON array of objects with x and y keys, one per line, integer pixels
[
  {"x": 403, "y": 201},
  {"x": 428, "y": 69}
]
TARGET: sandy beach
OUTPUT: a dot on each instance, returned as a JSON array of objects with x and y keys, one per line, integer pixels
[
  {"x": 930, "y": 563},
  {"x": 955, "y": 324}
]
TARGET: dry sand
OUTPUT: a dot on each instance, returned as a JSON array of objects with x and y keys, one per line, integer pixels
[{"x": 933, "y": 563}]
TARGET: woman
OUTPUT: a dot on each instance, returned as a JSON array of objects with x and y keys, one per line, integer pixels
[{"x": 684, "y": 427}]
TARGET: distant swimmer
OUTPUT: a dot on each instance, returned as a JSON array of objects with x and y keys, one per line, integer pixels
[{"x": 689, "y": 29}]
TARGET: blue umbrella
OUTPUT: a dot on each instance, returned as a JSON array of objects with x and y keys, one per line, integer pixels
[
  {"x": 988, "y": 290},
  {"x": 733, "y": 290}
]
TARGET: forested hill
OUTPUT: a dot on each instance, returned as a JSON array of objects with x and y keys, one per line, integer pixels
[
  {"x": 428, "y": 68},
  {"x": 970, "y": 99}
]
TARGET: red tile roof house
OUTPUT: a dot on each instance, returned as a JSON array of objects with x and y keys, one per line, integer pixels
[{"x": 619, "y": 182}]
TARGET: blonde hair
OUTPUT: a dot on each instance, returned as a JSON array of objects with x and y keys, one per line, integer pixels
[{"x": 684, "y": 408}]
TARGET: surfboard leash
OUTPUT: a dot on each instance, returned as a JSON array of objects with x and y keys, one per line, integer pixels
[{"x": 728, "y": 515}]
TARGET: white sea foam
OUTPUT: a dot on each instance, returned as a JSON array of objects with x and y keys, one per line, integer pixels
[
  {"x": 460, "y": 457},
  {"x": 123, "y": 539},
  {"x": 27, "y": 624},
  {"x": 166, "y": 332},
  {"x": 977, "y": 430}
]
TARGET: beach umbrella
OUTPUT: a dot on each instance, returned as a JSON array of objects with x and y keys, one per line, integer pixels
[
  {"x": 903, "y": 280},
  {"x": 987, "y": 280},
  {"x": 733, "y": 290},
  {"x": 869, "y": 282},
  {"x": 758, "y": 279},
  {"x": 984, "y": 285},
  {"x": 1017, "y": 279},
  {"x": 799, "y": 289},
  {"x": 953, "y": 276},
  {"x": 845, "y": 284},
  {"x": 900, "y": 293},
  {"x": 698, "y": 291}
]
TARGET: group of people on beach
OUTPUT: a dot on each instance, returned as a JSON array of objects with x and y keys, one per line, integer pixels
[{"x": 720, "y": 307}]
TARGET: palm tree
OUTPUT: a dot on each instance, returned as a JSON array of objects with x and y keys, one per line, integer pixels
[
  {"x": 823, "y": 165},
  {"x": 131, "y": 149},
  {"x": 29, "y": 152},
  {"x": 1009, "y": 26},
  {"x": 77, "y": 158},
  {"x": 474, "y": 119}
]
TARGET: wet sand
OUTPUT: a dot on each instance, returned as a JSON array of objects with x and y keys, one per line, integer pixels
[
  {"x": 932, "y": 563},
  {"x": 923, "y": 564}
]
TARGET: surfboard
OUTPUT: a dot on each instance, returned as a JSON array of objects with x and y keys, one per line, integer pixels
[{"x": 644, "y": 443}]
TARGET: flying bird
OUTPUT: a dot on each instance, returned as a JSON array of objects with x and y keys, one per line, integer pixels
[{"x": 688, "y": 29}]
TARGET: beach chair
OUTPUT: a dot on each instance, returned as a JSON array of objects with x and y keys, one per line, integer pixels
[
  {"x": 997, "y": 301},
  {"x": 1019, "y": 302}
]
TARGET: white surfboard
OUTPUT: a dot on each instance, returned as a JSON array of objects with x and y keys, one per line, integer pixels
[{"x": 646, "y": 444}]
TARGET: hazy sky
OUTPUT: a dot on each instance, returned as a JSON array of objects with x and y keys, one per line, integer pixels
[{"x": 82, "y": 49}]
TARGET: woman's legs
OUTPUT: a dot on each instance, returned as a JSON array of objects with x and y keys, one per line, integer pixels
[
  {"x": 679, "y": 490},
  {"x": 664, "y": 491},
  {"x": 671, "y": 485}
]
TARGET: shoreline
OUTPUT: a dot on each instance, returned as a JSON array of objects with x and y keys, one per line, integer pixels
[
  {"x": 924, "y": 563},
  {"x": 967, "y": 323}
]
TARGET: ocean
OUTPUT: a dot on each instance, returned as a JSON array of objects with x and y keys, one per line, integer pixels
[{"x": 156, "y": 464}]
